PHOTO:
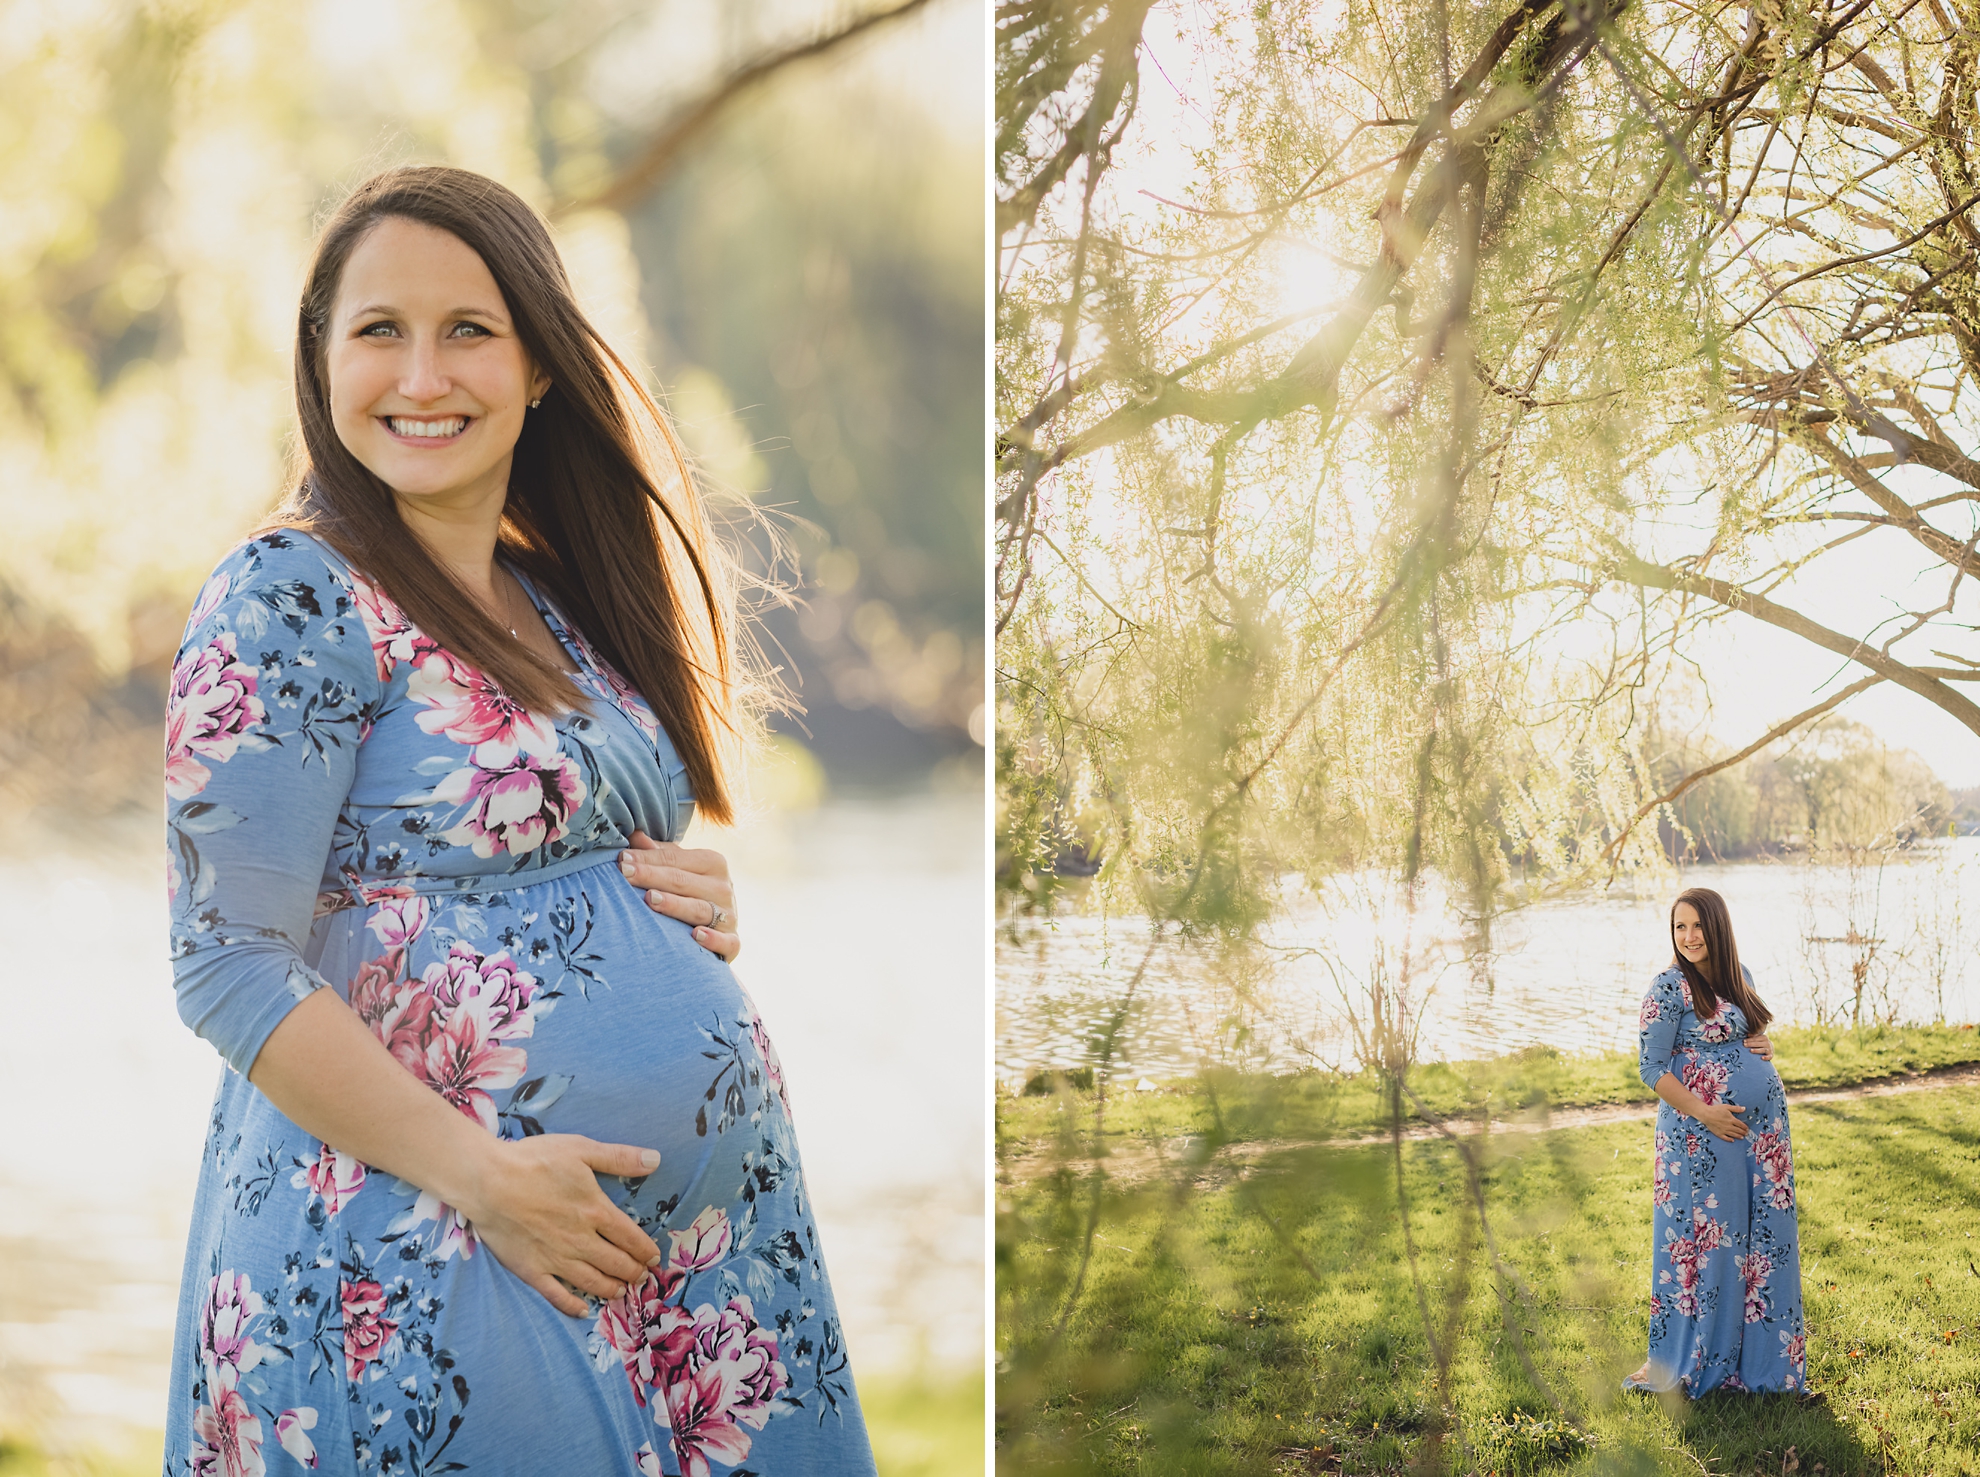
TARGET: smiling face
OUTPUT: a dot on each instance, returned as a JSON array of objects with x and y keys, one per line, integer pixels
[
  {"x": 428, "y": 381},
  {"x": 1688, "y": 933}
]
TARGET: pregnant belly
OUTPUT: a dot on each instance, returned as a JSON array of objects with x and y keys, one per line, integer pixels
[
  {"x": 1732, "y": 1074},
  {"x": 566, "y": 1006},
  {"x": 647, "y": 1038}
]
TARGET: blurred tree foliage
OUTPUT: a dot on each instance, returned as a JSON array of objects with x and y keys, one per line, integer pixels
[
  {"x": 1836, "y": 786},
  {"x": 163, "y": 163},
  {"x": 1398, "y": 391}
]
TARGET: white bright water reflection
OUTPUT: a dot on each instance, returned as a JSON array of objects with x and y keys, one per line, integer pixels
[
  {"x": 863, "y": 947},
  {"x": 1568, "y": 973}
]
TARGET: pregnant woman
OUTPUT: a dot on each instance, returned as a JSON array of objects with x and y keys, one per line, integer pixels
[
  {"x": 1725, "y": 1291},
  {"x": 501, "y": 1177}
]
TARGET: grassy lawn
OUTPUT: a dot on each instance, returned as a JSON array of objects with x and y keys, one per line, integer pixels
[
  {"x": 1240, "y": 1107},
  {"x": 1269, "y": 1323},
  {"x": 925, "y": 1427},
  {"x": 137, "y": 1457}
]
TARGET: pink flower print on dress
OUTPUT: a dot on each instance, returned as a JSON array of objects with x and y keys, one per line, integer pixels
[
  {"x": 394, "y": 638},
  {"x": 653, "y": 1338},
  {"x": 375, "y": 991},
  {"x": 698, "y": 1417},
  {"x": 647, "y": 1460},
  {"x": 224, "y": 1346},
  {"x": 231, "y": 1434},
  {"x": 1776, "y": 1160},
  {"x": 702, "y": 1244},
  {"x": 212, "y": 707},
  {"x": 773, "y": 1069},
  {"x": 1754, "y": 1269},
  {"x": 461, "y": 1062},
  {"x": 1709, "y": 1080},
  {"x": 1720, "y": 1027},
  {"x": 1660, "y": 1186},
  {"x": 1649, "y": 1014},
  {"x": 1795, "y": 1348},
  {"x": 489, "y": 986},
  {"x": 333, "y": 1176},
  {"x": 210, "y": 595},
  {"x": 514, "y": 809},
  {"x": 470, "y": 707},
  {"x": 451, "y": 1234},
  {"x": 736, "y": 1344},
  {"x": 1708, "y": 1233},
  {"x": 292, "y": 1428},
  {"x": 398, "y": 919},
  {"x": 367, "y": 1330}
]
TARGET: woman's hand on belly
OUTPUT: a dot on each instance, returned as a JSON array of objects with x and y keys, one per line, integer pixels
[
  {"x": 692, "y": 886},
  {"x": 538, "y": 1208},
  {"x": 1760, "y": 1046},
  {"x": 535, "y": 1203}
]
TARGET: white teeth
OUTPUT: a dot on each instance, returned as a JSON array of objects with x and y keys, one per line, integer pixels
[{"x": 428, "y": 428}]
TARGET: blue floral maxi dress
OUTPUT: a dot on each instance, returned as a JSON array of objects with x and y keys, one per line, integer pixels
[
  {"x": 350, "y": 807},
  {"x": 1725, "y": 1289}
]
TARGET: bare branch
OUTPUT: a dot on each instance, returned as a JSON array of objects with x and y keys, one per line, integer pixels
[
  {"x": 1633, "y": 570},
  {"x": 1778, "y": 731},
  {"x": 660, "y": 152}
]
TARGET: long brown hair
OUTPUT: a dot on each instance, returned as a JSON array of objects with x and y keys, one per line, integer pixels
[
  {"x": 1722, "y": 976},
  {"x": 630, "y": 561}
]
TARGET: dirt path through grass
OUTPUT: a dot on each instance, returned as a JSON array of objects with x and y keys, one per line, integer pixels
[{"x": 1130, "y": 1160}]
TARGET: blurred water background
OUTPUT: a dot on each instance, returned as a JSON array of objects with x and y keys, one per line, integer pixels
[
  {"x": 1890, "y": 935},
  {"x": 778, "y": 206}
]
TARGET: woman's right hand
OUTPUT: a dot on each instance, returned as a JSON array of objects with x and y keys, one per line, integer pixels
[
  {"x": 538, "y": 1208},
  {"x": 1720, "y": 1119}
]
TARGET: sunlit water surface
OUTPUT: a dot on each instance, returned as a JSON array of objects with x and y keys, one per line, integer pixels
[
  {"x": 863, "y": 947},
  {"x": 1568, "y": 973}
]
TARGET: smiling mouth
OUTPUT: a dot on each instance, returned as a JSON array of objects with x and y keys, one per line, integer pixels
[{"x": 439, "y": 428}]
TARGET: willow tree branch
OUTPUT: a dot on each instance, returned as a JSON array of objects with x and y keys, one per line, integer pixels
[
  {"x": 1635, "y": 571},
  {"x": 1312, "y": 375},
  {"x": 1900, "y": 512},
  {"x": 1780, "y": 730},
  {"x": 661, "y": 151}
]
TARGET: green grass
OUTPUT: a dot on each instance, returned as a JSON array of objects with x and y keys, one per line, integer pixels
[
  {"x": 1240, "y": 1107},
  {"x": 1268, "y": 1323},
  {"x": 924, "y": 1427},
  {"x": 139, "y": 1457}
]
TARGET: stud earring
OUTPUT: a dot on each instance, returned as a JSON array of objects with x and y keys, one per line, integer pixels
[{"x": 536, "y": 402}]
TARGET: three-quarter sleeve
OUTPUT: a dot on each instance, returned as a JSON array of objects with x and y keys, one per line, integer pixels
[
  {"x": 1657, "y": 1027},
  {"x": 272, "y": 691}
]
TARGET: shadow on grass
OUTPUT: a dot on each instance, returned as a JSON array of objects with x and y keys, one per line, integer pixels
[
  {"x": 1227, "y": 1315},
  {"x": 1773, "y": 1434}
]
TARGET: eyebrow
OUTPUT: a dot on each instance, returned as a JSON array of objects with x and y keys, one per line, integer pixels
[{"x": 450, "y": 313}]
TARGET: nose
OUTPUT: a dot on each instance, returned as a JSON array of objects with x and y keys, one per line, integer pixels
[{"x": 424, "y": 379}]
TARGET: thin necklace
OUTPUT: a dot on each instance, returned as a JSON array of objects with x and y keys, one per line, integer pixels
[{"x": 508, "y": 604}]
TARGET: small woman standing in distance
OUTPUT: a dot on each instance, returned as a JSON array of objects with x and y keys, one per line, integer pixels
[
  {"x": 1725, "y": 1295},
  {"x": 501, "y": 1178}
]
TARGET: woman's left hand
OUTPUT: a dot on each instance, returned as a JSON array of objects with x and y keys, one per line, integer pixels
[
  {"x": 1761, "y": 1047},
  {"x": 692, "y": 886}
]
